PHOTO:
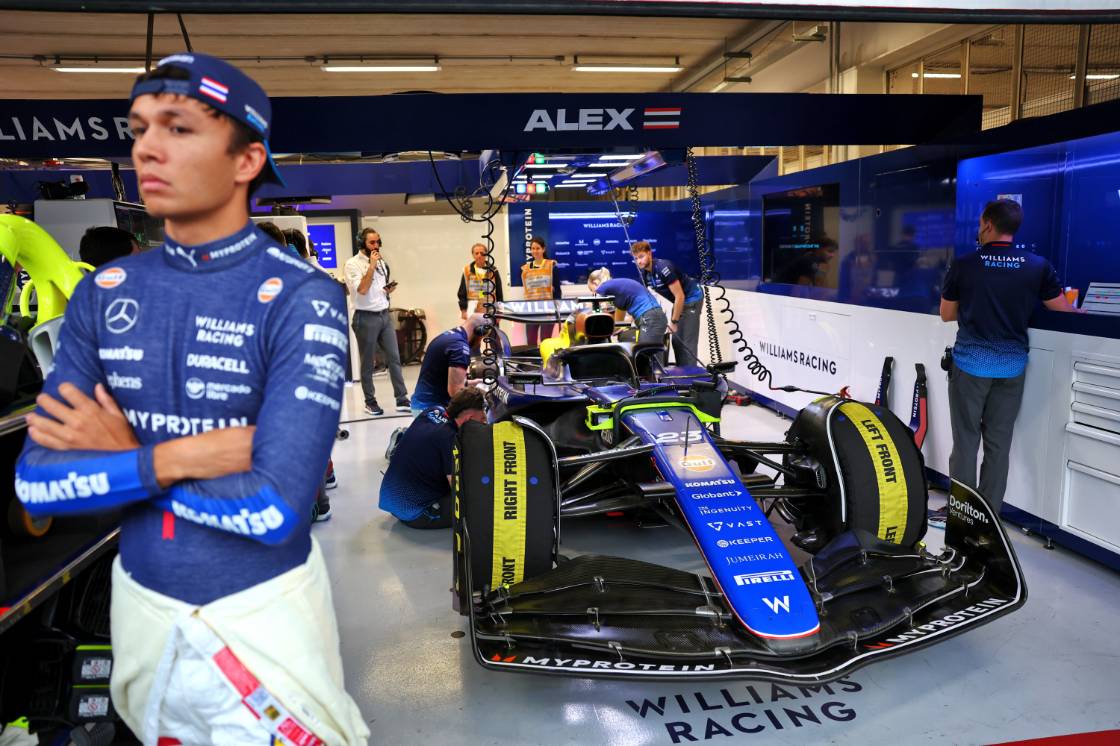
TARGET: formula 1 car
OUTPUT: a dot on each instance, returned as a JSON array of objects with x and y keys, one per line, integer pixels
[{"x": 602, "y": 426}]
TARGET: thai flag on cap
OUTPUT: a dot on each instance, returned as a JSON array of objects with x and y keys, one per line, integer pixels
[{"x": 213, "y": 89}]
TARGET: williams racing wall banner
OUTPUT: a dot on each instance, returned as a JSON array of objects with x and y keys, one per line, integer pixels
[
  {"x": 583, "y": 236},
  {"x": 806, "y": 348}
]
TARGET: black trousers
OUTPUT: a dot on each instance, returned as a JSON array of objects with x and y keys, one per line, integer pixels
[{"x": 983, "y": 409}]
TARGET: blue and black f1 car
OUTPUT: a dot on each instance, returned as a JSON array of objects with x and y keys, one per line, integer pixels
[{"x": 814, "y": 568}]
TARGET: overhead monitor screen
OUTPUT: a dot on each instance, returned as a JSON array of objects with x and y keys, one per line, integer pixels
[{"x": 800, "y": 228}]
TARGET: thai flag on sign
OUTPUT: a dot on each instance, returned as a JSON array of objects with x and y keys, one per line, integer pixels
[
  {"x": 662, "y": 118},
  {"x": 213, "y": 89}
]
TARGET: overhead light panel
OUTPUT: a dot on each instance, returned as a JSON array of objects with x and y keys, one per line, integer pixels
[
  {"x": 1097, "y": 76},
  {"x": 406, "y": 65},
  {"x": 381, "y": 68},
  {"x": 623, "y": 65},
  {"x": 632, "y": 157},
  {"x": 937, "y": 75},
  {"x": 627, "y": 68},
  {"x": 117, "y": 70}
]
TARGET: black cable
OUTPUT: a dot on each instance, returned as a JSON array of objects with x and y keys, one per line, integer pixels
[
  {"x": 464, "y": 208},
  {"x": 710, "y": 279},
  {"x": 708, "y": 274}
]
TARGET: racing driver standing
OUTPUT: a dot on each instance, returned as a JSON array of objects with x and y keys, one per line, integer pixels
[{"x": 183, "y": 380}]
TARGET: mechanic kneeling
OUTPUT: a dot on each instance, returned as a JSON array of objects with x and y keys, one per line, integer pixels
[{"x": 417, "y": 486}]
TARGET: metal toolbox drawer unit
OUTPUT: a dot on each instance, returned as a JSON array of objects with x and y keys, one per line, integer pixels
[{"x": 1091, "y": 479}]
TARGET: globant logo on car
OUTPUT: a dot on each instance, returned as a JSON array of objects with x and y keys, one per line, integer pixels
[{"x": 714, "y": 495}]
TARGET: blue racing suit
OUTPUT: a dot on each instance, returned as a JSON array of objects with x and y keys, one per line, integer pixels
[{"x": 187, "y": 339}]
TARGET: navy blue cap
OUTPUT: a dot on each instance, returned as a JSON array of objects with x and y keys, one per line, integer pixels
[{"x": 221, "y": 86}]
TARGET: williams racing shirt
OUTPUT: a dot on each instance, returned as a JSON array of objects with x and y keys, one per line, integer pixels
[
  {"x": 998, "y": 287},
  {"x": 187, "y": 339},
  {"x": 664, "y": 274},
  {"x": 417, "y": 475}
]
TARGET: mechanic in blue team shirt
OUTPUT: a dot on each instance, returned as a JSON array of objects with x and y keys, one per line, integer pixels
[
  {"x": 182, "y": 379},
  {"x": 685, "y": 293},
  {"x": 631, "y": 297},
  {"x": 991, "y": 294},
  {"x": 417, "y": 485},
  {"x": 443, "y": 371}
]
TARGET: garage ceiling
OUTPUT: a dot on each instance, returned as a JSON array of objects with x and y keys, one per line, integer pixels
[{"x": 477, "y": 53}]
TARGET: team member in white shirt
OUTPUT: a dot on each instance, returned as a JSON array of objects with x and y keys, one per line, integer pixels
[{"x": 367, "y": 276}]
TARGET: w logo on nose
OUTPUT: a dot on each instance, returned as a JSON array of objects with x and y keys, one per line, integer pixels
[{"x": 777, "y": 603}]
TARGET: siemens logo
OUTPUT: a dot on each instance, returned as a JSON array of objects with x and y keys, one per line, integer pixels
[
  {"x": 134, "y": 383},
  {"x": 74, "y": 486}
]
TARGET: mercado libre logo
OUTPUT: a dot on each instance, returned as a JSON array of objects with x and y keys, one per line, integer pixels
[
  {"x": 269, "y": 289},
  {"x": 729, "y": 713}
]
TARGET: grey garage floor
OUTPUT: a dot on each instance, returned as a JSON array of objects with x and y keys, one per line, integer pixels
[{"x": 1052, "y": 668}]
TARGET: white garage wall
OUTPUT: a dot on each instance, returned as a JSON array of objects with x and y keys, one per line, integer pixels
[{"x": 427, "y": 254}]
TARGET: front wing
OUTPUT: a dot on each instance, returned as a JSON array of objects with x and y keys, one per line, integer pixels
[{"x": 600, "y": 616}]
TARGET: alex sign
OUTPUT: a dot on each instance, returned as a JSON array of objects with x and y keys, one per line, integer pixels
[
  {"x": 513, "y": 121},
  {"x": 560, "y": 120}
]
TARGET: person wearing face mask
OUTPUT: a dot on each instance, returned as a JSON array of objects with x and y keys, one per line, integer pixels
[
  {"x": 473, "y": 284},
  {"x": 367, "y": 276},
  {"x": 991, "y": 294},
  {"x": 540, "y": 276}
]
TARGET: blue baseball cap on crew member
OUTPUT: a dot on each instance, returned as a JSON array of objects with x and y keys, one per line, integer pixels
[{"x": 220, "y": 86}]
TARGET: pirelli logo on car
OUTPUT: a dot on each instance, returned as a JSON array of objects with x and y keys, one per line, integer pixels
[{"x": 508, "y": 564}]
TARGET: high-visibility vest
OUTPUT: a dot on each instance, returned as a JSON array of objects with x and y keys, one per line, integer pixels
[
  {"x": 538, "y": 280},
  {"x": 476, "y": 286}
]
